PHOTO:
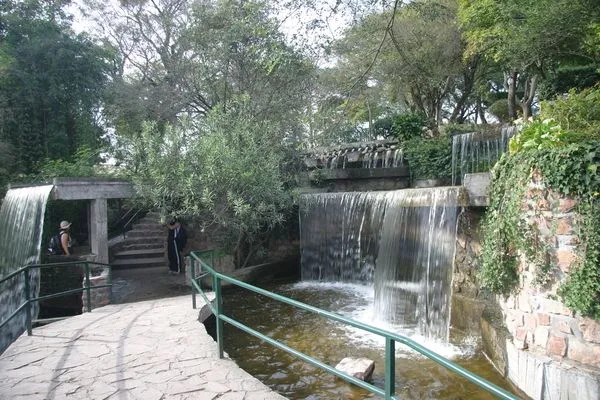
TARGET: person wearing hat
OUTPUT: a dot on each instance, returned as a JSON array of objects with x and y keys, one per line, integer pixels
[
  {"x": 65, "y": 238},
  {"x": 175, "y": 244}
]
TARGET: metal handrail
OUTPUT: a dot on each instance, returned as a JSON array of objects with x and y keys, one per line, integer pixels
[
  {"x": 391, "y": 338},
  {"x": 27, "y": 304}
]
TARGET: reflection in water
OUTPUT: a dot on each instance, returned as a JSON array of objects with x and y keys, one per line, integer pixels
[{"x": 416, "y": 376}]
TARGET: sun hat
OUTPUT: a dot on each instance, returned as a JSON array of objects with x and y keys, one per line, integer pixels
[{"x": 65, "y": 224}]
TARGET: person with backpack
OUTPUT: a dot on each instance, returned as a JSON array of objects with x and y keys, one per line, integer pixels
[{"x": 60, "y": 244}]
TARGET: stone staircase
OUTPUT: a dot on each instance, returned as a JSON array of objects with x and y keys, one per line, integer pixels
[{"x": 143, "y": 246}]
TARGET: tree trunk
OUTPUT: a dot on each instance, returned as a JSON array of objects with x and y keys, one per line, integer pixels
[
  {"x": 529, "y": 95},
  {"x": 511, "y": 81}
]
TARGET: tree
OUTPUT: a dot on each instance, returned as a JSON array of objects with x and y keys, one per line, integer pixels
[
  {"x": 51, "y": 84},
  {"x": 414, "y": 53},
  {"x": 528, "y": 38},
  {"x": 226, "y": 174},
  {"x": 184, "y": 58}
]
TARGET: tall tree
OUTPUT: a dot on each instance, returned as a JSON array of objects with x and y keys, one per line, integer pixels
[
  {"x": 186, "y": 57},
  {"x": 528, "y": 39},
  {"x": 51, "y": 84},
  {"x": 413, "y": 51}
]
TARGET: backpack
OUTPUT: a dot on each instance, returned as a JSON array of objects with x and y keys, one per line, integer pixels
[{"x": 54, "y": 247}]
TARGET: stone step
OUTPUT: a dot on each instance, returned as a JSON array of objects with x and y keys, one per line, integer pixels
[
  {"x": 140, "y": 253},
  {"x": 139, "y": 263},
  {"x": 138, "y": 233},
  {"x": 148, "y": 226},
  {"x": 153, "y": 240},
  {"x": 143, "y": 246}
]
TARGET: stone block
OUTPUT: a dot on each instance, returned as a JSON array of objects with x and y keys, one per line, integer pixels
[
  {"x": 566, "y": 205},
  {"x": 567, "y": 240},
  {"x": 530, "y": 321},
  {"x": 541, "y": 336},
  {"x": 361, "y": 368},
  {"x": 564, "y": 327},
  {"x": 523, "y": 301},
  {"x": 521, "y": 334},
  {"x": 590, "y": 330},
  {"x": 564, "y": 226},
  {"x": 565, "y": 257},
  {"x": 557, "y": 346},
  {"x": 584, "y": 353},
  {"x": 543, "y": 319},
  {"x": 553, "y": 307}
]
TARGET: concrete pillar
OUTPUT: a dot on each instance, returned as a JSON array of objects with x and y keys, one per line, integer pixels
[{"x": 99, "y": 229}]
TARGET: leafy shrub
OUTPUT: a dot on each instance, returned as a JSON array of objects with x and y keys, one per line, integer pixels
[
  {"x": 499, "y": 109},
  {"x": 576, "y": 112},
  {"x": 404, "y": 126},
  {"x": 539, "y": 134},
  {"x": 429, "y": 158}
]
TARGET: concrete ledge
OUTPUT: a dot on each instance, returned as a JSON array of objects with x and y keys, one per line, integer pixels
[
  {"x": 90, "y": 189},
  {"x": 358, "y": 173},
  {"x": 477, "y": 188}
]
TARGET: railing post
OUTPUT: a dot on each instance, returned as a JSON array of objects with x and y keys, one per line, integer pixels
[
  {"x": 212, "y": 258},
  {"x": 193, "y": 278},
  {"x": 28, "y": 300},
  {"x": 219, "y": 309},
  {"x": 87, "y": 287},
  {"x": 390, "y": 367}
]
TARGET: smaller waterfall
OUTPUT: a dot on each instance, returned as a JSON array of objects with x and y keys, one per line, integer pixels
[
  {"x": 400, "y": 242},
  {"x": 478, "y": 151},
  {"x": 21, "y": 227}
]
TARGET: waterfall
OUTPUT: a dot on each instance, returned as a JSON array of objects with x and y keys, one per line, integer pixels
[
  {"x": 478, "y": 151},
  {"x": 400, "y": 242},
  {"x": 21, "y": 227}
]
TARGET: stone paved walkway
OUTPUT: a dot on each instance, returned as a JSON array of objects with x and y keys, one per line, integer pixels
[{"x": 148, "y": 350}]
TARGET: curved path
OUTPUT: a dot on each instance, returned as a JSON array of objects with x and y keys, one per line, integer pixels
[{"x": 149, "y": 350}]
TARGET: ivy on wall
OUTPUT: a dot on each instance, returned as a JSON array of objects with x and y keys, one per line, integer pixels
[{"x": 572, "y": 170}]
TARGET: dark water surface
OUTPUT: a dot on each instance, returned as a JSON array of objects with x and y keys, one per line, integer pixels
[{"x": 328, "y": 341}]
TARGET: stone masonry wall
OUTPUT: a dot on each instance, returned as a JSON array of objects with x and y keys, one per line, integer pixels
[
  {"x": 468, "y": 300},
  {"x": 538, "y": 322}
]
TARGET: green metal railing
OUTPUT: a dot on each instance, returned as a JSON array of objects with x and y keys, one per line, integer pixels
[
  {"x": 387, "y": 392},
  {"x": 27, "y": 290}
]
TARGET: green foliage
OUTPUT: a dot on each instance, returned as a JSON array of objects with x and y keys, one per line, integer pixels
[
  {"x": 581, "y": 291},
  {"x": 568, "y": 77},
  {"x": 499, "y": 109},
  {"x": 408, "y": 126},
  {"x": 51, "y": 83},
  {"x": 429, "y": 158},
  {"x": 570, "y": 169},
  {"x": 576, "y": 112},
  {"x": 83, "y": 165},
  {"x": 538, "y": 134},
  {"x": 568, "y": 119},
  {"x": 225, "y": 173}
]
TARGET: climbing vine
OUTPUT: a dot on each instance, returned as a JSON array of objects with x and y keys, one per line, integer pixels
[{"x": 572, "y": 170}]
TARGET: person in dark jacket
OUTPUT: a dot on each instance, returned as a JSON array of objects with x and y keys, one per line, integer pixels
[{"x": 175, "y": 244}]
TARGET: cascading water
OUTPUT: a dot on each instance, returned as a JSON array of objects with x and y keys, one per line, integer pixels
[
  {"x": 400, "y": 242},
  {"x": 21, "y": 227},
  {"x": 478, "y": 151}
]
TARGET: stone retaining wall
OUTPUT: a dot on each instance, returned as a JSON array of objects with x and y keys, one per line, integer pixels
[
  {"x": 99, "y": 297},
  {"x": 535, "y": 317},
  {"x": 544, "y": 348}
]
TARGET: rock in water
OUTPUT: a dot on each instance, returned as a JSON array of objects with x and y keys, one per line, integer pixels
[{"x": 361, "y": 368}]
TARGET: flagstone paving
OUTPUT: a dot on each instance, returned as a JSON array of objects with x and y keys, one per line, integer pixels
[{"x": 148, "y": 350}]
